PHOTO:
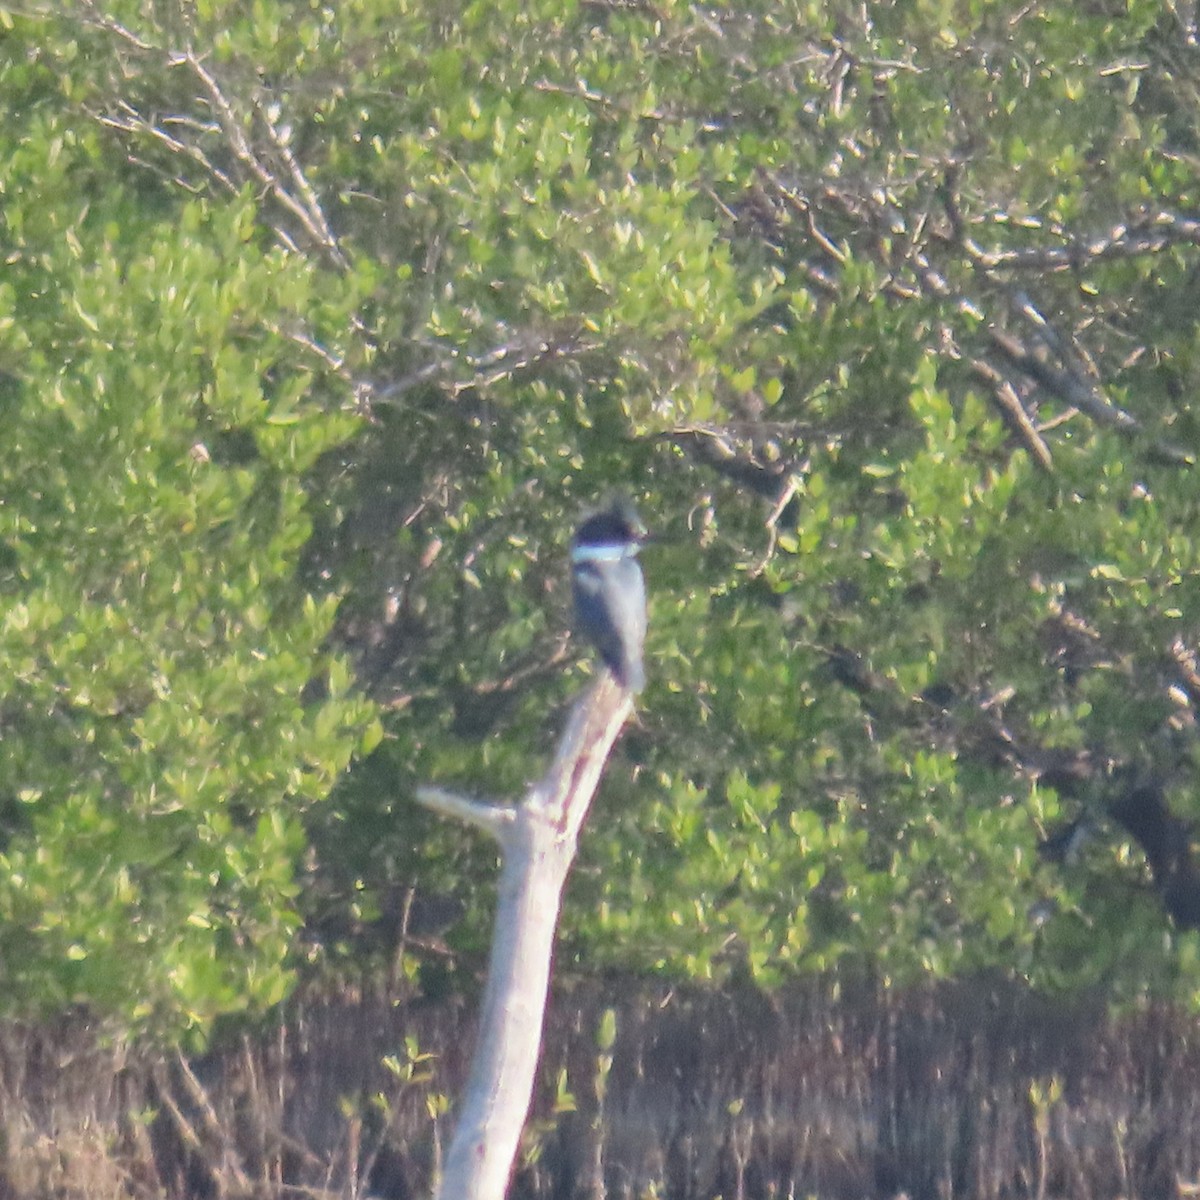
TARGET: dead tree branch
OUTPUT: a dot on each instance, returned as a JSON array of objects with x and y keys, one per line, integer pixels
[{"x": 538, "y": 840}]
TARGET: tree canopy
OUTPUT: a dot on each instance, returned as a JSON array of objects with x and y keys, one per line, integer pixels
[{"x": 319, "y": 326}]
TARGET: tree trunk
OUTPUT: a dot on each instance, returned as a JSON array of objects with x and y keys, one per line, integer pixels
[{"x": 538, "y": 840}]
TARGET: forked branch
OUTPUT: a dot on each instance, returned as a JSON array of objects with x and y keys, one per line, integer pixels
[{"x": 538, "y": 839}]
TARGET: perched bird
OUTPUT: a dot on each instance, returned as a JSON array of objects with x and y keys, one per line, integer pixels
[{"x": 609, "y": 591}]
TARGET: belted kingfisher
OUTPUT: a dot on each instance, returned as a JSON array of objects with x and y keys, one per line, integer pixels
[{"x": 609, "y": 591}]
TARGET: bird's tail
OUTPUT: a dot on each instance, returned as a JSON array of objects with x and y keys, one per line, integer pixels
[{"x": 633, "y": 675}]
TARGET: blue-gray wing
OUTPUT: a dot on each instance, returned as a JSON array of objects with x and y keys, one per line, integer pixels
[{"x": 610, "y": 605}]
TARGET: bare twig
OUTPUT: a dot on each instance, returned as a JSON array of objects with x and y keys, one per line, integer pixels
[
  {"x": 1014, "y": 413},
  {"x": 211, "y": 1143},
  {"x": 335, "y": 362},
  {"x": 1069, "y": 385},
  {"x": 1054, "y": 363},
  {"x": 491, "y": 366},
  {"x": 492, "y": 818},
  {"x": 101, "y": 20},
  {"x": 291, "y": 189},
  {"x": 131, "y": 121},
  {"x": 1162, "y": 231},
  {"x": 306, "y": 210},
  {"x": 310, "y": 204}
]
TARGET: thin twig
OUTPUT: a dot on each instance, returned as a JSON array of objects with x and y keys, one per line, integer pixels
[
  {"x": 245, "y": 154},
  {"x": 1166, "y": 229},
  {"x": 134, "y": 123},
  {"x": 1014, "y": 412},
  {"x": 312, "y": 205}
]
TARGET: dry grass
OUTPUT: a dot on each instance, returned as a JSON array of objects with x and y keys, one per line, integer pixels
[{"x": 981, "y": 1092}]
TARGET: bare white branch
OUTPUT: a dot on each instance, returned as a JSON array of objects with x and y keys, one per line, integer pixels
[
  {"x": 493, "y": 818},
  {"x": 132, "y": 122},
  {"x": 315, "y": 216}
]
